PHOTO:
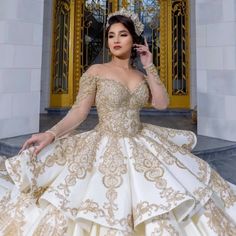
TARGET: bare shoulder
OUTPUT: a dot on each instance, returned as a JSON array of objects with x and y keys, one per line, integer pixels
[{"x": 140, "y": 74}]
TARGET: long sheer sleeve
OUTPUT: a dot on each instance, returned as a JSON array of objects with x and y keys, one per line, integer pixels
[
  {"x": 80, "y": 109},
  {"x": 159, "y": 95}
]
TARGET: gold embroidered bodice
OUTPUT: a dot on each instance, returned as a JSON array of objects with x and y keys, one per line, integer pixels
[{"x": 117, "y": 106}]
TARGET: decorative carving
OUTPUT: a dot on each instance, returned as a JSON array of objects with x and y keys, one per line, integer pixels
[
  {"x": 61, "y": 47},
  {"x": 163, "y": 42},
  {"x": 78, "y": 31}
]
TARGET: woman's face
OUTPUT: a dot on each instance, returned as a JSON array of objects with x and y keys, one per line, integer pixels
[{"x": 120, "y": 41}]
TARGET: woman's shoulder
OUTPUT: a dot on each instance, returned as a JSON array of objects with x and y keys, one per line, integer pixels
[
  {"x": 104, "y": 69},
  {"x": 94, "y": 69},
  {"x": 139, "y": 74}
]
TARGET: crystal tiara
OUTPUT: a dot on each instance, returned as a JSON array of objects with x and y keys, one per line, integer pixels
[{"x": 138, "y": 25}]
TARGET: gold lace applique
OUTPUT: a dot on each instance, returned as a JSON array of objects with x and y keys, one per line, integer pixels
[
  {"x": 118, "y": 109},
  {"x": 82, "y": 152},
  {"x": 90, "y": 206},
  {"x": 163, "y": 225},
  {"x": 12, "y": 213},
  {"x": 87, "y": 86},
  {"x": 3, "y": 172},
  {"x": 113, "y": 166},
  {"x": 38, "y": 166},
  {"x": 114, "y": 232},
  {"x": 168, "y": 133},
  {"x": 222, "y": 188},
  {"x": 14, "y": 170},
  {"x": 80, "y": 109},
  {"x": 162, "y": 134},
  {"x": 152, "y": 70},
  {"x": 202, "y": 194},
  {"x": 218, "y": 221},
  {"x": 146, "y": 163},
  {"x": 54, "y": 223}
]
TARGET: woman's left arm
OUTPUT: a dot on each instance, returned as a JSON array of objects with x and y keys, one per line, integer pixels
[{"x": 160, "y": 98}]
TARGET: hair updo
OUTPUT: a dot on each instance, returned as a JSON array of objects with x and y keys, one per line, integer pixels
[{"x": 129, "y": 25}]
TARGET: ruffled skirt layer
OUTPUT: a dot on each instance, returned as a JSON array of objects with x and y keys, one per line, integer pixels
[{"x": 97, "y": 184}]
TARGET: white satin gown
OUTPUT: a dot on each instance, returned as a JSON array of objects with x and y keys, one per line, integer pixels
[{"x": 121, "y": 178}]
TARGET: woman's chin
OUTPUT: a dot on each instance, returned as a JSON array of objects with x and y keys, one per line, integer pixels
[
  {"x": 117, "y": 53},
  {"x": 121, "y": 55}
]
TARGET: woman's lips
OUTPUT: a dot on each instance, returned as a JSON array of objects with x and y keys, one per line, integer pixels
[{"x": 117, "y": 47}]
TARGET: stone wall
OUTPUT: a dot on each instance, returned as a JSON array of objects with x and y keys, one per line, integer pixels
[
  {"x": 21, "y": 28},
  {"x": 193, "y": 83},
  {"x": 216, "y": 68},
  {"x": 47, "y": 56}
]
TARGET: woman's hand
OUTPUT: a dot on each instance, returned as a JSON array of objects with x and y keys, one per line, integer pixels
[
  {"x": 38, "y": 141},
  {"x": 144, "y": 53}
]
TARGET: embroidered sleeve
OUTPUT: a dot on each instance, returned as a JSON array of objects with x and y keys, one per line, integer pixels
[
  {"x": 87, "y": 88},
  {"x": 162, "y": 92},
  {"x": 80, "y": 109}
]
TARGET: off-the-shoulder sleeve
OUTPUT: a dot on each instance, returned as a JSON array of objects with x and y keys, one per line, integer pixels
[
  {"x": 87, "y": 87},
  {"x": 80, "y": 109}
]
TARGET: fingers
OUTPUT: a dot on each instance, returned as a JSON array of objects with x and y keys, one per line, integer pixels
[
  {"x": 145, "y": 42},
  {"x": 37, "y": 150},
  {"x": 38, "y": 141},
  {"x": 28, "y": 143},
  {"x": 142, "y": 50},
  {"x": 21, "y": 150},
  {"x": 25, "y": 145},
  {"x": 140, "y": 46}
]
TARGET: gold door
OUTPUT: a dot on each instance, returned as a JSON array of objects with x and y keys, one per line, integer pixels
[
  {"x": 62, "y": 55},
  {"x": 79, "y": 41},
  {"x": 178, "y": 66}
]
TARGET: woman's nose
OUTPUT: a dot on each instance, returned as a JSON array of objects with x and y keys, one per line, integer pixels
[{"x": 116, "y": 39}]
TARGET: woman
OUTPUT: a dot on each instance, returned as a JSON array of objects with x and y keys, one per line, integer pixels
[{"x": 123, "y": 177}]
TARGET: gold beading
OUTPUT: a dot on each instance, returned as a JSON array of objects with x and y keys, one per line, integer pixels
[{"x": 139, "y": 27}]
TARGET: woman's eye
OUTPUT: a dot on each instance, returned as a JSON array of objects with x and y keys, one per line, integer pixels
[{"x": 112, "y": 36}]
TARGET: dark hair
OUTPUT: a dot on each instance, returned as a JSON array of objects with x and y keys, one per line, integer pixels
[{"x": 129, "y": 25}]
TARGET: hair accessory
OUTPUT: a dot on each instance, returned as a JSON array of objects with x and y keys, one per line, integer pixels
[{"x": 139, "y": 27}]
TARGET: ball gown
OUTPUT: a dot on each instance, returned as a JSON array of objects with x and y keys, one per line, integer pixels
[{"x": 123, "y": 177}]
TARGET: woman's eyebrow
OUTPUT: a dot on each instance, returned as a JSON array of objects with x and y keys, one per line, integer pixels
[{"x": 121, "y": 31}]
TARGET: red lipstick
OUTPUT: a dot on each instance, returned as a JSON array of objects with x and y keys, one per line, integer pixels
[{"x": 117, "y": 47}]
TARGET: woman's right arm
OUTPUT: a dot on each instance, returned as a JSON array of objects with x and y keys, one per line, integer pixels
[{"x": 76, "y": 115}]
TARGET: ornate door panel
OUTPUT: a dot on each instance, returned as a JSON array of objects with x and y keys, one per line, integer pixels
[
  {"x": 62, "y": 55},
  {"x": 178, "y": 53},
  {"x": 166, "y": 29}
]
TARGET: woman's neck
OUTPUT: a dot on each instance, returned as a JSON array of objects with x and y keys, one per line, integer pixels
[{"x": 122, "y": 63}]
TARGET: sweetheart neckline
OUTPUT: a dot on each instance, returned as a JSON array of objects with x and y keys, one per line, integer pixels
[{"x": 124, "y": 86}]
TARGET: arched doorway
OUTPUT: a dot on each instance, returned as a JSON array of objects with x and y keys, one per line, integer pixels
[{"x": 79, "y": 41}]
